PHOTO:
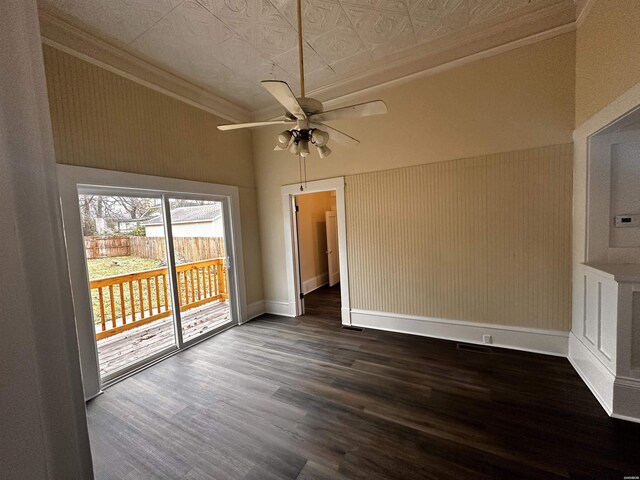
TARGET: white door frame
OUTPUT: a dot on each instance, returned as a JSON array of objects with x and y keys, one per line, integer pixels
[
  {"x": 291, "y": 249},
  {"x": 69, "y": 180}
]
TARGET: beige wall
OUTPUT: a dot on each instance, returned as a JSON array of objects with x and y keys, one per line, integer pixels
[
  {"x": 312, "y": 237},
  {"x": 517, "y": 100},
  {"x": 102, "y": 120},
  {"x": 607, "y": 55},
  {"x": 484, "y": 239}
]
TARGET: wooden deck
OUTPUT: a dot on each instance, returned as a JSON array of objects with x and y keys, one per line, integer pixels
[{"x": 128, "y": 347}]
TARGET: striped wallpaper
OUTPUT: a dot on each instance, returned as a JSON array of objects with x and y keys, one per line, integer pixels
[
  {"x": 483, "y": 239},
  {"x": 103, "y": 120}
]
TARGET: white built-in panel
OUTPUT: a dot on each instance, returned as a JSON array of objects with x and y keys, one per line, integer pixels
[
  {"x": 608, "y": 318},
  {"x": 598, "y": 331},
  {"x": 592, "y": 311}
]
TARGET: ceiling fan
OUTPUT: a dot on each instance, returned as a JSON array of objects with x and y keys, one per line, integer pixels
[{"x": 306, "y": 115}]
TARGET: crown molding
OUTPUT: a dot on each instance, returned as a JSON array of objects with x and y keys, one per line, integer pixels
[
  {"x": 446, "y": 53},
  {"x": 480, "y": 41},
  {"x": 367, "y": 92},
  {"x": 65, "y": 37}
]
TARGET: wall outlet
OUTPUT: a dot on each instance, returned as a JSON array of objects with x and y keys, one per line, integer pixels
[{"x": 488, "y": 339}]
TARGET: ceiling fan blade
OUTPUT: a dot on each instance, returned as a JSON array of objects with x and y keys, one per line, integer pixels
[
  {"x": 376, "y": 107},
  {"x": 336, "y": 135},
  {"x": 236, "y": 126},
  {"x": 281, "y": 92}
]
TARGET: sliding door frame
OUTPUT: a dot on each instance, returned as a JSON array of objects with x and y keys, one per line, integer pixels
[{"x": 72, "y": 180}]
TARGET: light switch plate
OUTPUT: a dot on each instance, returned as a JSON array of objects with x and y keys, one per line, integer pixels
[{"x": 627, "y": 221}]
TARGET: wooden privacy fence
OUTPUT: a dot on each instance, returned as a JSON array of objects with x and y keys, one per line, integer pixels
[
  {"x": 128, "y": 301},
  {"x": 191, "y": 249},
  {"x": 100, "y": 247}
]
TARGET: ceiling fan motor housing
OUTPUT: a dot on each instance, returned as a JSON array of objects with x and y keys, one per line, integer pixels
[{"x": 310, "y": 106}]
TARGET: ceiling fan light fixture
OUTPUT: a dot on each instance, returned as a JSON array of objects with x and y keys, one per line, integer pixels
[
  {"x": 304, "y": 147},
  {"x": 284, "y": 138},
  {"x": 294, "y": 148},
  {"x": 324, "y": 151},
  {"x": 319, "y": 137}
]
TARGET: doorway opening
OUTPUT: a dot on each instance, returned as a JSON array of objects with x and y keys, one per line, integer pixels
[
  {"x": 315, "y": 240},
  {"x": 319, "y": 257}
]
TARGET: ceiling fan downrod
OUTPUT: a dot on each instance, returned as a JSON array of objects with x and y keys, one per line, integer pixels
[
  {"x": 306, "y": 117},
  {"x": 300, "y": 48}
]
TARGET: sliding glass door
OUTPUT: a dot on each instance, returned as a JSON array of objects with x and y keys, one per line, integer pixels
[
  {"x": 128, "y": 279},
  {"x": 197, "y": 230},
  {"x": 146, "y": 253}
]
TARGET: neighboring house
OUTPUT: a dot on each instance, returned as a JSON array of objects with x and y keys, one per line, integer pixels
[
  {"x": 125, "y": 225},
  {"x": 196, "y": 221}
]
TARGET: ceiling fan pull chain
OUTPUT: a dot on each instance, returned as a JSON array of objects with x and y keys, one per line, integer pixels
[
  {"x": 300, "y": 168},
  {"x": 304, "y": 161}
]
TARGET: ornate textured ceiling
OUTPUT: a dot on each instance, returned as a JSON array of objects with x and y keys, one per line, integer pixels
[{"x": 228, "y": 46}]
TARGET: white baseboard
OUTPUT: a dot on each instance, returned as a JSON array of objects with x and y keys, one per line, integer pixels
[
  {"x": 254, "y": 310},
  {"x": 626, "y": 399},
  {"x": 279, "y": 307},
  {"x": 619, "y": 396},
  {"x": 624, "y": 417},
  {"x": 593, "y": 372},
  {"x": 346, "y": 315},
  {"x": 314, "y": 283},
  {"x": 550, "y": 342}
]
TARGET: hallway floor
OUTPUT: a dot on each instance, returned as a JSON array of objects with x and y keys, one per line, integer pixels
[{"x": 324, "y": 302}]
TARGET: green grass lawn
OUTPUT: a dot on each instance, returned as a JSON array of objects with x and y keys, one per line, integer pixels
[{"x": 109, "y": 267}]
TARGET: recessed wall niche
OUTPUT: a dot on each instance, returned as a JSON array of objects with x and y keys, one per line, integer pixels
[
  {"x": 613, "y": 228},
  {"x": 604, "y": 344}
]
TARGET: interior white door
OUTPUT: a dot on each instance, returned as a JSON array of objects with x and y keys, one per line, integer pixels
[{"x": 332, "y": 248}]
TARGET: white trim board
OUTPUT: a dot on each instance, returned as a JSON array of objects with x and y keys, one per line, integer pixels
[
  {"x": 549, "y": 342},
  {"x": 593, "y": 373},
  {"x": 254, "y": 309},
  {"x": 278, "y": 307},
  {"x": 315, "y": 283},
  {"x": 617, "y": 395}
]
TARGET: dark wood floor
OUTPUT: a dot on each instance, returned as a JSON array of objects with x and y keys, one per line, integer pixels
[
  {"x": 325, "y": 302},
  {"x": 284, "y": 398}
]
